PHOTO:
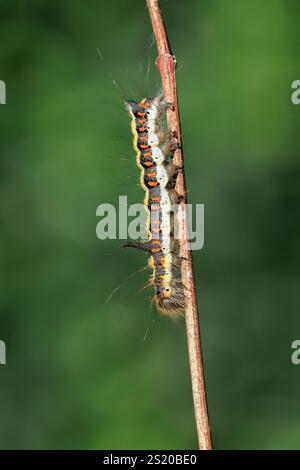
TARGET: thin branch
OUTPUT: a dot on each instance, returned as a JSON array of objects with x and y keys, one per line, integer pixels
[{"x": 166, "y": 64}]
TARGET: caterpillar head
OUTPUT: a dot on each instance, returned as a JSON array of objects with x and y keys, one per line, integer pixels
[
  {"x": 132, "y": 107},
  {"x": 139, "y": 106}
]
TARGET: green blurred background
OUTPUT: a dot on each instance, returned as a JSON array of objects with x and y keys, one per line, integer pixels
[{"x": 80, "y": 373}]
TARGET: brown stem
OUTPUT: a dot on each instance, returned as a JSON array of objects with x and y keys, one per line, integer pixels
[{"x": 166, "y": 64}]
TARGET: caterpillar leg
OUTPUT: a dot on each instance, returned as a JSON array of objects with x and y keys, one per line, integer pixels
[
  {"x": 165, "y": 105},
  {"x": 144, "y": 246}
]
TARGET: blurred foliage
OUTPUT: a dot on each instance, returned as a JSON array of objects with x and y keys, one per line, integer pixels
[{"x": 80, "y": 373}]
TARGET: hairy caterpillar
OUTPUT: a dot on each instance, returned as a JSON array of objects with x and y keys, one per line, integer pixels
[{"x": 153, "y": 146}]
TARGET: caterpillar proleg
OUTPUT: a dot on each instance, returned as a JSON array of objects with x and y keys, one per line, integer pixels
[{"x": 153, "y": 146}]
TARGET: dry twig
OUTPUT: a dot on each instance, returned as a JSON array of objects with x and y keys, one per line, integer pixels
[{"x": 166, "y": 64}]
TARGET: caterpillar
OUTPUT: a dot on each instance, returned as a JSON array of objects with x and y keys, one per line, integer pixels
[{"x": 154, "y": 147}]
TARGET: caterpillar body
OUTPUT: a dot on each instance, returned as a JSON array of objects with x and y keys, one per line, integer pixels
[{"x": 153, "y": 146}]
